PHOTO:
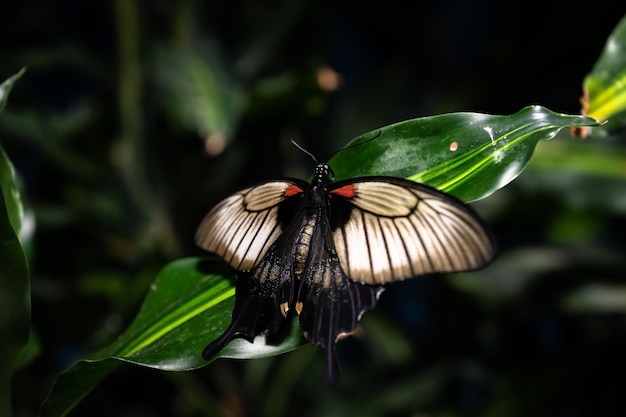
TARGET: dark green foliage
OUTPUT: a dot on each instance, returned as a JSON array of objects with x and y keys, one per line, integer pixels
[{"x": 134, "y": 118}]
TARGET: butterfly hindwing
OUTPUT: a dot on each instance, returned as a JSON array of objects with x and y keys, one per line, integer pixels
[
  {"x": 331, "y": 304},
  {"x": 242, "y": 227},
  {"x": 263, "y": 295},
  {"x": 390, "y": 229}
]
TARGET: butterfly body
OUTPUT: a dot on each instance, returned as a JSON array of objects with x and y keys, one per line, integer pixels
[{"x": 324, "y": 250}]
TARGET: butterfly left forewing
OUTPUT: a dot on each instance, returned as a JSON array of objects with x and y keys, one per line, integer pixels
[
  {"x": 392, "y": 229},
  {"x": 242, "y": 227}
]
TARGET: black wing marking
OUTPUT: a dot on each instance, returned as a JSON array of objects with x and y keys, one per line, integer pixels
[
  {"x": 331, "y": 309},
  {"x": 260, "y": 299},
  {"x": 389, "y": 229},
  {"x": 329, "y": 303}
]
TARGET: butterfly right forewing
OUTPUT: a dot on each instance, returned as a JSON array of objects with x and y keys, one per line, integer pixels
[{"x": 390, "y": 229}]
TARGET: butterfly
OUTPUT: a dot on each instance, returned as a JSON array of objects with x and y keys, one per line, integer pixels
[{"x": 326, "y": 249}]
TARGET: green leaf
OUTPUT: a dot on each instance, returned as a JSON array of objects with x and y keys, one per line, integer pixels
[
  {"x": 12, "y": 197},
  {"x": 14, "y": 284},
  {"x": 8, "y": 177},
  {"x": 469, "y": 155},
  {"x": 605, "y": 87},
  {"x": 188, "y": 305},
  {"x": 6, "y": 86},
  {"x": 14, "y": 304},
  {"x": 9, "y": 182}
]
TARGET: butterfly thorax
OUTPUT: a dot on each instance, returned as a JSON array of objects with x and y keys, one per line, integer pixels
[{"x": 323, "y": 175}]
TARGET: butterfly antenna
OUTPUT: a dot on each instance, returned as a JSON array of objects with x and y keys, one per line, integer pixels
[
  {"x": 336, "y": 152},
  {"x": 305, "y": 151}
]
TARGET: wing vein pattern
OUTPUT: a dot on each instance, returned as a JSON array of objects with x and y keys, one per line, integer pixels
[
  {"x": 253, "y": 224},
  {"x": 399, "y": 229}
]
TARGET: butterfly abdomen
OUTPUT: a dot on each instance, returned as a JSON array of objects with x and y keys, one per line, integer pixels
[{"x": 303, "y": 246}]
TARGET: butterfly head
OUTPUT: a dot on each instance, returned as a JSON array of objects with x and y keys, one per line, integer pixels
[{"x": 323, "y": 173}]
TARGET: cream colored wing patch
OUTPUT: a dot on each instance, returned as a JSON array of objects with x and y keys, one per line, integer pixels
[
  {"x": 242, "y": 227},
  {"x": 398, "y": 229}
]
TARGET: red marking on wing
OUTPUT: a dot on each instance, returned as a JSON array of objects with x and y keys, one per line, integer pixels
[
  {"x": 292, "y": 190},
  {"x": 347, "y": 191}
]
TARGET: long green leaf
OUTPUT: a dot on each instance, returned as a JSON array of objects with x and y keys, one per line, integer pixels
[
  {"x": 8, "y": 178},
  {"x": 188, "y": 305},
  {"x": 469, "y": 155},
  {"x": 7, "y": 85},
  {"x": 190, "y": 302},
  {"x": 605, "y": 86},
  {"x": 14, "y": 284},
  {"x": 14, "y": 305}
]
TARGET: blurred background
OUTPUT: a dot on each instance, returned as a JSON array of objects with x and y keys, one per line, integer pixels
[{"x": 134, "y": 118}]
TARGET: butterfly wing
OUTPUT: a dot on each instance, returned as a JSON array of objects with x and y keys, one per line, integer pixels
[
  {"x": 242, "y": 227},
  {"x": 388, "y": 229},
  {"x": 261, "y": 297},
  {"x": 331, "y": 303}
]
